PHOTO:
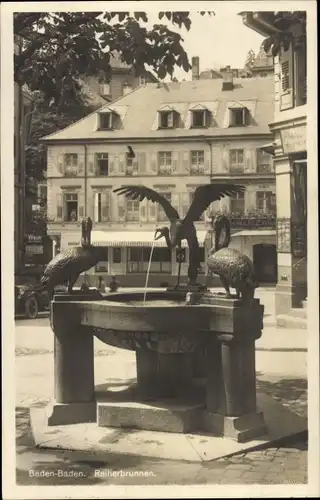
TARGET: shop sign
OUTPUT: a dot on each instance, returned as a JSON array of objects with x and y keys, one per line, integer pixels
[
  {"x": 294, "y": 139},
  {"x": 34, "y": 238},
  {"x": 34, "y": 249}
]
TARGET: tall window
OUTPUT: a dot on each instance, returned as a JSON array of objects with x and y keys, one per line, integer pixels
[
  {"x": 237, "y": 204},
  {"x": 101, "y": 208},
  {"x": 129, "y": 164},
  {"x": 165, "y": 162},
  {"x": 191, "y": 194},
  {"x": 264, "y": 162},
  {"x": 42, "y": 192},
  {"x": 161, "y": 213},
  {"x": 133, "y": 210},
  {"x": 197, "y": 162},
  {"x": 70, "y": 163},
  {"x": 236, "y": 161},
  {"x": 102, "y": 164},
  {"x": 71, "y": 207},
  {"x": 266, "y": 201}
]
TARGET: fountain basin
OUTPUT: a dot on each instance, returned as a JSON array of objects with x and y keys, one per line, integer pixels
[{"x": 164, "y": 323}]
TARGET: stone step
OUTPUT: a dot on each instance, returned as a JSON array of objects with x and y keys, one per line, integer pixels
[
  {"x": 298, "y": 312},
  {"x": 289, "y": 321}
]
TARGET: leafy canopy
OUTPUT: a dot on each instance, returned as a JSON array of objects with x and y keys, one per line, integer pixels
[
  {"x": 59, "y": 47},
  {"x": 292, "y": 31}
]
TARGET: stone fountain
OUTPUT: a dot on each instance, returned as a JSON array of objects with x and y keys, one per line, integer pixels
[
  {"x": 166, "y": 335},
  {"x": 195, "y": 352}
]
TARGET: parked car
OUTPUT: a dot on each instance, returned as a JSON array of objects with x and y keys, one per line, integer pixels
[{"x": 27, "y": 300}]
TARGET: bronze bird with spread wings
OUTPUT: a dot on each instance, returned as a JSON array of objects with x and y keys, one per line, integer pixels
[{"x": 183, "y": 229}]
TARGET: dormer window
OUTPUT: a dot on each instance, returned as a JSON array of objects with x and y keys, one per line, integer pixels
[
  {"x": 105, "y": 121},
  {"x": 239, "y": 116},
  {"x": 108, "y": 119},
  {"x": 166, "y": 119},
  {"x": 105, "y": 89},
  {"x": 199, "y": 118}
]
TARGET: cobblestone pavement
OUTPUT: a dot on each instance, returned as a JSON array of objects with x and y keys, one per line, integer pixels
[{"x": 281, "y": 464}]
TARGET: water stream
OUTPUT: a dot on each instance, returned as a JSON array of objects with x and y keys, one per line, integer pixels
[{"x": 148, "y": 271}]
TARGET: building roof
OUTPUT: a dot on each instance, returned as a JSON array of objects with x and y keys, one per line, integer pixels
[{"x": 138, "y": 110}]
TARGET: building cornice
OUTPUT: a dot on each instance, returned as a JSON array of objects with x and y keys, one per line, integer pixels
[{"x": 135, "y": 140}]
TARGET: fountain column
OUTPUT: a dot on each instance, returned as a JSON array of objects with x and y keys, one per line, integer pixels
[
  {"x": 231, "y": 403},
  {"x": 74, "y": 398}
]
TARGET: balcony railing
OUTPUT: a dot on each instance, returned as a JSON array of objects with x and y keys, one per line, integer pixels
[{"x": 250, "y": 220}]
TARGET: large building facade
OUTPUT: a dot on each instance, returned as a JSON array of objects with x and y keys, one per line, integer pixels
[
  {"x": 289, "y": 130},
  {"x": 22, "y": 114},
  {"x": 182, "y": 135}
]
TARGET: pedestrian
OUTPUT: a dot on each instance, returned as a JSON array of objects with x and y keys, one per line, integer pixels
[
  {"x": 101, "y": 285},
  {"x": 114, "y": 284}
]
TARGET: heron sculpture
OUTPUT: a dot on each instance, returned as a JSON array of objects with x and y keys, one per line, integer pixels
[
  {"x": 183, "y": 229},
  {"x": 66, "y": 266}
]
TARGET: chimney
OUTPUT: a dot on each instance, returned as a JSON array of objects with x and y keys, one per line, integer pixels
[
  {"x": 227, "y": 75},
  {"x": 195, "y": 63}
]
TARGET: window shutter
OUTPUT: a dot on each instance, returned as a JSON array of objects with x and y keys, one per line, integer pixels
[
  {"x": 143, "y": 210},
  {"x": 121, "y": 208},
  {"x": 80, "y": 206},
  {"x": 61, "y": 164},
  {"x": 154, "y": 163},
  {"x": 185, "y": 162},
  {"x": 188, "y": 120},
  {"x": 184, "y": 203},
  {"x": 95, "y": 198},
  {"x": 225, "y": 159},
  {"x": 286, "y": 72},
  {"x": 59, "y": 207},
  {"x": 91, "y": 167},
  {"x": 135, "y": 167},
  {"x": 151, "y": 211},
  {"x": 81, "y": 167},
  {"x": 248, "y": 163},
  {"x": 206, "y": 166},
  {"x": 175, "y": 162},
  {"x": 142, "y": 163},
  {"x": 105, "y": 206},
  {"x": 112, "y": 166},
  {"x": 175, "y": 201},
  {"x": 122, "y": 162}
]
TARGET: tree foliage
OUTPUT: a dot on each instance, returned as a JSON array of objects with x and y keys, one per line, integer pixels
[
  {"x": 250, "y": 59},
  {"x": 292, "y": 31},
  {"x": 59, "y": 47}
]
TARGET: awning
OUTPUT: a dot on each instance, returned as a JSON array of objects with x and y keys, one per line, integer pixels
[
  {"x": 257, "y": 232},
  {"x": 134, "y": 239}
]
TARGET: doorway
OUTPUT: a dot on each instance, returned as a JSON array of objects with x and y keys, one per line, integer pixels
[{"x": 265, "y": 262}]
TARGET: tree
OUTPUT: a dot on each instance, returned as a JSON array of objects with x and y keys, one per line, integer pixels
[
  {"x": 58, "y": 47},
  {"x": 250, "y": 59},
  {"x": 292, "y": 31}
]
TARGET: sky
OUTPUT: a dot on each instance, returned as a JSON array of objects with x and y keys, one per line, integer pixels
[{"x": 217, "y": 40}]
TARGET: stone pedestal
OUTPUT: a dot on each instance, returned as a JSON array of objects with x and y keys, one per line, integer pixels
[
  {"x": 231, "y": 408},
  {"x": 74, "y": 398}
]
